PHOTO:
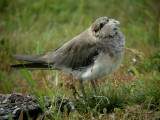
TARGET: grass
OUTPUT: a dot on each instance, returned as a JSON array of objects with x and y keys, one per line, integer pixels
[{"x": 35, "y": 27}]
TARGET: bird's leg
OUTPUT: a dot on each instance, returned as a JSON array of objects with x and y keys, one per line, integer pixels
[
  {"x": 94, "y": 87},
  {"x": 98, "y": 97},
  {"x": 96, "y": 82},
  {"x": 82, "y": 88},
  {"x": 74, "y": 90}
]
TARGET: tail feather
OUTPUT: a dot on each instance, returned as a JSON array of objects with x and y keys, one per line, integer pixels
[
  {"x": 29, "y": 58},
  {"x": 32, "y": 66}
]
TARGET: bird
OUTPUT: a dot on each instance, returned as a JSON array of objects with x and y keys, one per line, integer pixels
[{"x": 95, "y": 53}]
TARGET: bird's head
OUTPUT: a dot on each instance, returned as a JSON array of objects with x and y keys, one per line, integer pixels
[{"x": 104, "y": 27}]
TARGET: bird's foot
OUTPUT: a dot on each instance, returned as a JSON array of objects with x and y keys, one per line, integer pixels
[{"x": 101, "y": 98}]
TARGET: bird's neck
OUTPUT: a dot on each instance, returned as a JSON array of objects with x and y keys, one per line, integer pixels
[{"x": 115, "y": 45}]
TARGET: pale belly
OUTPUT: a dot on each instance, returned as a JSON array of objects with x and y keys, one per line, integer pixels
[{"x": 104, "y": 65}]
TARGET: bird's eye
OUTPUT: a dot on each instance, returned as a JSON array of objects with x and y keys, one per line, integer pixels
[
  {"x": 102, "y": 24},
  {"x": 96, "y": 31}
]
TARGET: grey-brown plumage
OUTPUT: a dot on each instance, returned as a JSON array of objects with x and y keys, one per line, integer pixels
[{"x": 96, "y": 52}]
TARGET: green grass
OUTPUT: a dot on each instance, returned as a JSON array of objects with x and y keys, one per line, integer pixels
[{"x": 35, "y": 27}]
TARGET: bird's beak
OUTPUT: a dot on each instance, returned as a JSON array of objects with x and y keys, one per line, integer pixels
[
  {"x": 117, "y": 22},
  {"x": 112, "y": 21}
]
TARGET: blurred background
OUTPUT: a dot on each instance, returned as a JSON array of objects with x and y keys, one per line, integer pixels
[{"x": 35, "y": 27}]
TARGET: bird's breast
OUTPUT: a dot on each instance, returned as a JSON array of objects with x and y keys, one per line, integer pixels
[{"x": 104, "y": 65}]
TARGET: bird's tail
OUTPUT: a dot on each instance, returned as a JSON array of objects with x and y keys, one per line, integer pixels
[
  {"x": 32, "y": 66},
  {"x": 36, "y": 62},
  {"x": 29, "y": 58}
]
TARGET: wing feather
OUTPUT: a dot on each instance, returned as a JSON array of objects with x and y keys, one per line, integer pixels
[{"x": 77, "y": 53}]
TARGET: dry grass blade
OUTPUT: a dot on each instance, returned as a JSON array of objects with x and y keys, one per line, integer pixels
[{"x": 136, "y": 52}]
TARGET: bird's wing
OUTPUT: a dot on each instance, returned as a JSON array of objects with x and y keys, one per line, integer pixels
[{"x": 77, "y": 53}]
